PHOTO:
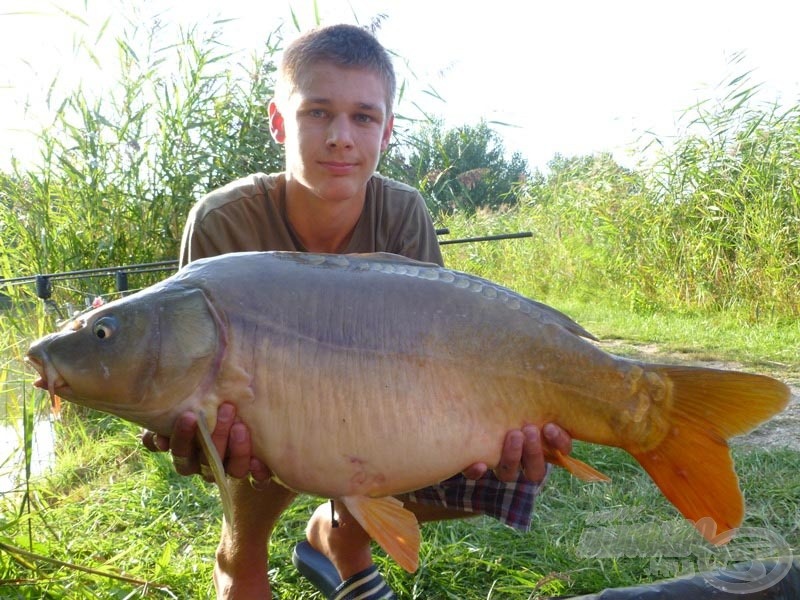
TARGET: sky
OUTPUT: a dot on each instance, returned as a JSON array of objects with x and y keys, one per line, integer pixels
[{"x": 572, "y": 77}]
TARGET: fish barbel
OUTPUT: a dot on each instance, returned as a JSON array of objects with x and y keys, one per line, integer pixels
[{"x": 364, "y": 376}]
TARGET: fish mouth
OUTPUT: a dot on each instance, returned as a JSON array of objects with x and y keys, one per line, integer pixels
[{"x": 49, "y": 379}]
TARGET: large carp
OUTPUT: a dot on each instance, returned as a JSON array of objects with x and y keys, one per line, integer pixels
[{"x": 364, "y": 376}]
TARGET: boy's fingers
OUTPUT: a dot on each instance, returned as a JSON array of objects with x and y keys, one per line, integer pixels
[
  {"x": 557, "y": 438},
  {"x": 259, "y": 470},
  {"x": 226, "y": 415},
  {"x": 183, "y": 445},
  {"x": 239, "y": 449},
  {"x": 475, "y": 471},
  {"x": 533, "y": 463},
  {"x": 155, "y": 442},
  {"x": 511, "y": 458}
]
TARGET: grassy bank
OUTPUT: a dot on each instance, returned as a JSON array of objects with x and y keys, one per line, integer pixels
[{"x": 768, "y": 339}]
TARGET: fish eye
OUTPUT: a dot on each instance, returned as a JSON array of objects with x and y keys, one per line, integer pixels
[{"x": 104, "y": 328}]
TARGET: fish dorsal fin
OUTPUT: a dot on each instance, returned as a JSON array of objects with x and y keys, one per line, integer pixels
[
  {"x": 393, "y": 527},
  {"x": 214, "y": 461},
  {"x": 388, "y": 257}
]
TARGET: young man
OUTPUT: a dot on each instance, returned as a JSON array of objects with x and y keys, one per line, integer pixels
[{"x": 333, "y": 114}]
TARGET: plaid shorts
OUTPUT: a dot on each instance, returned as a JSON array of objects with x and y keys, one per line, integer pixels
[{"x": 511, "y": 503}]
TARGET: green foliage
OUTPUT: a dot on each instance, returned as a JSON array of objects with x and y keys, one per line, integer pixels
[
  {"x": 711, "y": 226},
  {"x": 730, "y": 187},
  {"x": 460, "y": 169},
  {"x": 119, "y": 171}
]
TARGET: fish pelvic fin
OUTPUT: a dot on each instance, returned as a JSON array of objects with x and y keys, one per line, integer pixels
[
  {"x": 692, "y": 465},
  {"x": 576, "y": 467},
  {"x": 393, "y": 527},
  {"x": 217, "y": 469}
]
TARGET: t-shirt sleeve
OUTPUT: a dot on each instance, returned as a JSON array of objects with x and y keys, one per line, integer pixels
[
  {"x": 418, "y": 238},
  {"x": 204, "y": 235},
  {"x": 241, "y": 216}
]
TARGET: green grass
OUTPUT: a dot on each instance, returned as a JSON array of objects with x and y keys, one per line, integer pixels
[
  {"x": 111, "y": 507},
  {"x": 711, "y": 336}
]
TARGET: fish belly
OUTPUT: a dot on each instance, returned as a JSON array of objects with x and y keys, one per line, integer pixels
[{"x": 337, "y": 421}]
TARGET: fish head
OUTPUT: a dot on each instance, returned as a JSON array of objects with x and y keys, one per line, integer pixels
[{"x": 139, "y": 357}]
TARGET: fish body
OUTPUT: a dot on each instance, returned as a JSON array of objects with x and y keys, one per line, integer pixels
[{"x": 364, "y": 376}]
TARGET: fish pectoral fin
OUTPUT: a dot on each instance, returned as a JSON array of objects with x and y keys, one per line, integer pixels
[
  {"x": 393, "y": 527},
  {"x": 576, "y": 467},
  {"x": 217, "y": 469}
]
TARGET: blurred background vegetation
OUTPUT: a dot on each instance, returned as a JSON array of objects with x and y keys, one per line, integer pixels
[{"x": 708, "y": 229}]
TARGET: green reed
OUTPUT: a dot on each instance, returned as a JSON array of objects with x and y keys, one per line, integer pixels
[{"x": 712, "y": 225}]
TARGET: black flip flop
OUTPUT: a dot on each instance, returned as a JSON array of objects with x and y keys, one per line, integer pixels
[{"x": 316, "y": 567}]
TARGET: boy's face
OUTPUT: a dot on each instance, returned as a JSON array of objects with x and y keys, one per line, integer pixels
[{"x": 334, "y": 126}]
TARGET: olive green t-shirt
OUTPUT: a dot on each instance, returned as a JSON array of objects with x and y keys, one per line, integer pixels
[{"x": 249, "y": 214}]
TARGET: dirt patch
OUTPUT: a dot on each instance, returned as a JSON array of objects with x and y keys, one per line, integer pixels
[{"x": 782, "y": 431}]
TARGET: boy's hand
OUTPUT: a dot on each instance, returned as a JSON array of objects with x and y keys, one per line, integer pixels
[
  {"x": 523, "y": 450},
  {"x": 231, "y": 438}
]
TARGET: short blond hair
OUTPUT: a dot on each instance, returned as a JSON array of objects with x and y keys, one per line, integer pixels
[{"x": 341, "y": 45}]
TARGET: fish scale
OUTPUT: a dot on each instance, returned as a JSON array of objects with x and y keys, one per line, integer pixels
[{"x": 392, "y": 266}]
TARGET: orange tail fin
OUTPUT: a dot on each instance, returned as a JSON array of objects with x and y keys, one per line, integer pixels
[{"x": 692, "y": 465}]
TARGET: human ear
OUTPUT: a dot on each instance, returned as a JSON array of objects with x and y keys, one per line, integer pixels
[
  {"x": 276, "y": 123},
  {"x": 387, "y": 132}
]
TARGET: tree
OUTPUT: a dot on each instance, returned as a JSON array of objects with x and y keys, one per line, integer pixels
[{"x": 464, "y": 168}]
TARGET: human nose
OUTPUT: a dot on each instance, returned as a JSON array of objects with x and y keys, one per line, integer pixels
[{"x": 340, "y": 133}]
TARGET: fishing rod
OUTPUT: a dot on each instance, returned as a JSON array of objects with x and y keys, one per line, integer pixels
[
  {"x": 488, "y": 238},
  {"x": 44, "y": 281}
]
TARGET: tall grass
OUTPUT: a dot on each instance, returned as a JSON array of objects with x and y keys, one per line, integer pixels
[
  {"x": 708, "y": 234},
  {"x": 119, "y": 170},
  {"x": 711, "y": 226}
]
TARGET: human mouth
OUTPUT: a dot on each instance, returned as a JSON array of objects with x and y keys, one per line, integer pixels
[{"x": 338, "y": 168}]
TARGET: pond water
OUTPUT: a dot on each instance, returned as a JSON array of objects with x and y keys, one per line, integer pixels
[{"x": 12, "y": 453}]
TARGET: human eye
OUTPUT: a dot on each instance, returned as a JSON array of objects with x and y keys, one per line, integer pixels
[{"x": 368, "y": 118}]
